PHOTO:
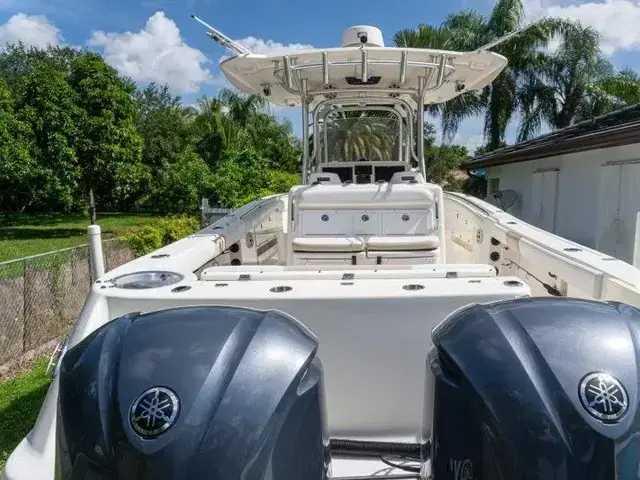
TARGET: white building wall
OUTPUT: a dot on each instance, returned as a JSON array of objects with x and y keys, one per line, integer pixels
[
  {"x": 577, "y": 206},
  {"x": 578, "y": 190}
]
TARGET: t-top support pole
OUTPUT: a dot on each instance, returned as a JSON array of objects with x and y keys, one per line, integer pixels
[{"x": 305, "y": 130}]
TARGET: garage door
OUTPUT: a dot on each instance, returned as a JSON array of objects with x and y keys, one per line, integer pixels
[
  {"x": 543, "y": 199},
  {"x": 619, "y": 200}
]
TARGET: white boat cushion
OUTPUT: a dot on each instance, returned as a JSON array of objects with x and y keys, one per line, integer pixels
[
  {"x": 407, "y": 177},
  {"x": 324, "y": 177},
  {"x": 404, "y": 242},
  {"x": 365, "y": 196},
  {"x": 327, "y": 244}
]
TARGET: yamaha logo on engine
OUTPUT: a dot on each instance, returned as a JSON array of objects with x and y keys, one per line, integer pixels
[
  {"x": 154, "y": 411},
  {"x": 461, "y": 469},
  {"x": 604, "y": 397}
]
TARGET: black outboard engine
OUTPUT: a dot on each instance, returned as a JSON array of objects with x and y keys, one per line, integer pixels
[
  {"x": 193, "y": 393},
  {"x": 536, "y": 388}
]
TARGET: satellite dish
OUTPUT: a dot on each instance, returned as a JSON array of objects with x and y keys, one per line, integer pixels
[{"x": 503, "y": 199}]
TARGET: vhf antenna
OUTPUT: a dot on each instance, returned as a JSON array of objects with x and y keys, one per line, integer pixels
[
  {"x": 508, "y": 36},
  {"x": 222, "y": 39}
]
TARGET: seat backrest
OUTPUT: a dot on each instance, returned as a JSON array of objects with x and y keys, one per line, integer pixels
[
  {"x": 373, "y": 209},
  {"x": 383, "y": 196},
  {"x": 324, "y": 177},
  {"x": 407, "y": 177}
]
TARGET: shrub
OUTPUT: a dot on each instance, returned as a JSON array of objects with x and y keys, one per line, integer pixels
[
  {"x": 148, "y": 238},
  {"x": 175, "y": 228},
  {"x": 278, "y": 181},
  {"x": 242, "y": 174}
]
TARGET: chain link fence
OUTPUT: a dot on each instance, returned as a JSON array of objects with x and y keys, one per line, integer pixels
[
  {"x": 209, "y": 215},
  {"x": 41, "y": 297}
]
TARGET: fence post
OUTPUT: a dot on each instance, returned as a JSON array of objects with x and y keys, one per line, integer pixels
[
  {"x": 24, "y": 307},
  {"x": 96, "y": 259},
  {"x": 204, "y": 207}
]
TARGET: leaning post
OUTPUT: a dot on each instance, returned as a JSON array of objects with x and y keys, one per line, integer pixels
[{"x": 96, "y": 258}]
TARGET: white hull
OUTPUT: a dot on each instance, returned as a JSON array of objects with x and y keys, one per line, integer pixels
[
  {"x": 367, "y": 322},
  {"x": 366, "y": 254}
]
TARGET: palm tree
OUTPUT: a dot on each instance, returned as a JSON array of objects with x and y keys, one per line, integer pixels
[
  {"x": 467, "y": 105},
  {"x": 208, "y": 107},
  {"x": 371, "y": 134},
  {"x": 214, "y": 131},
  {"x": 624, "y": 86},
  {"x": 469, "y": 30},
  {"x": 572, "y": 83},
  {"x": 234, "y": 123},
  {"x": 241, "y": 108},
  {"x": 425, "y": 36}
]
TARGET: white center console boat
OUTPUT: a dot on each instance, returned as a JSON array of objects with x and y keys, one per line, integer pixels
[{"x": 314, "y": 333}]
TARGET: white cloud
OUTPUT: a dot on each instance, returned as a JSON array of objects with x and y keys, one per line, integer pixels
[
  {"x": 467, "y": 138},
  {"x": 33, "y": 30},
  {"x": 221, "y": 81},
  {"x": 616, "y": 20},
  {"x": 268, "y": 47},
  {"x": 157, "y": 53},
  {"x": 473, "y": 142}
]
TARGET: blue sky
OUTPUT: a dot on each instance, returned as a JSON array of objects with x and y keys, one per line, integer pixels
[{"x": 156, "y": 40}]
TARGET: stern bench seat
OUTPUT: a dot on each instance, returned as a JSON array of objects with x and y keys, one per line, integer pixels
[
  {"x": 328, "y": 244},
  {"x": 354, "y": 250},
  {"x": 374, "y": 223},
  {"x": 403, "y": 243}
]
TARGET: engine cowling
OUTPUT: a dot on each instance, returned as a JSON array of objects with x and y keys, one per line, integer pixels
[
  {"x": 536, "y": 388},
  {"x": 193, "y": 392}
]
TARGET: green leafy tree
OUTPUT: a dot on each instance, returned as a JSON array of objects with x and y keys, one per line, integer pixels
[
  {"x": 108, "y": 144},
  {"x": 443, "y": 161},
  {"x": 74, "y": 133},
  {"x": 18, "y": 59},
  {"x": 163, "y": 125},
  {"x": 279, "y": 181},
  {"x": 19, "y": 174},
  {"x": 167, "y": 135},
  {"x": 239, "y": 177},
  {"x": 276, "y": 142},
  {"x": 179, "y": 186},
  {"x": 235, "y": 122},
  {"x": 47, "y": 103}
]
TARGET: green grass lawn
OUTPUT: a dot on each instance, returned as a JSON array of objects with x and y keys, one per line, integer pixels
[
  {"x": 29, "y": 234},
  {"x": 20, "y": 402}
]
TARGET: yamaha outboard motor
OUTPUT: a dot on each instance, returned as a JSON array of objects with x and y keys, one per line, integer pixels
[
  {"x": 536, "y": 388},
  {"x": 193, "y": 393}
]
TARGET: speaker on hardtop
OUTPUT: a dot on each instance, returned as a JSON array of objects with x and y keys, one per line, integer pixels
[
  {"x": 536, "y": 388},
  {"x": 193, "y": 392}
]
